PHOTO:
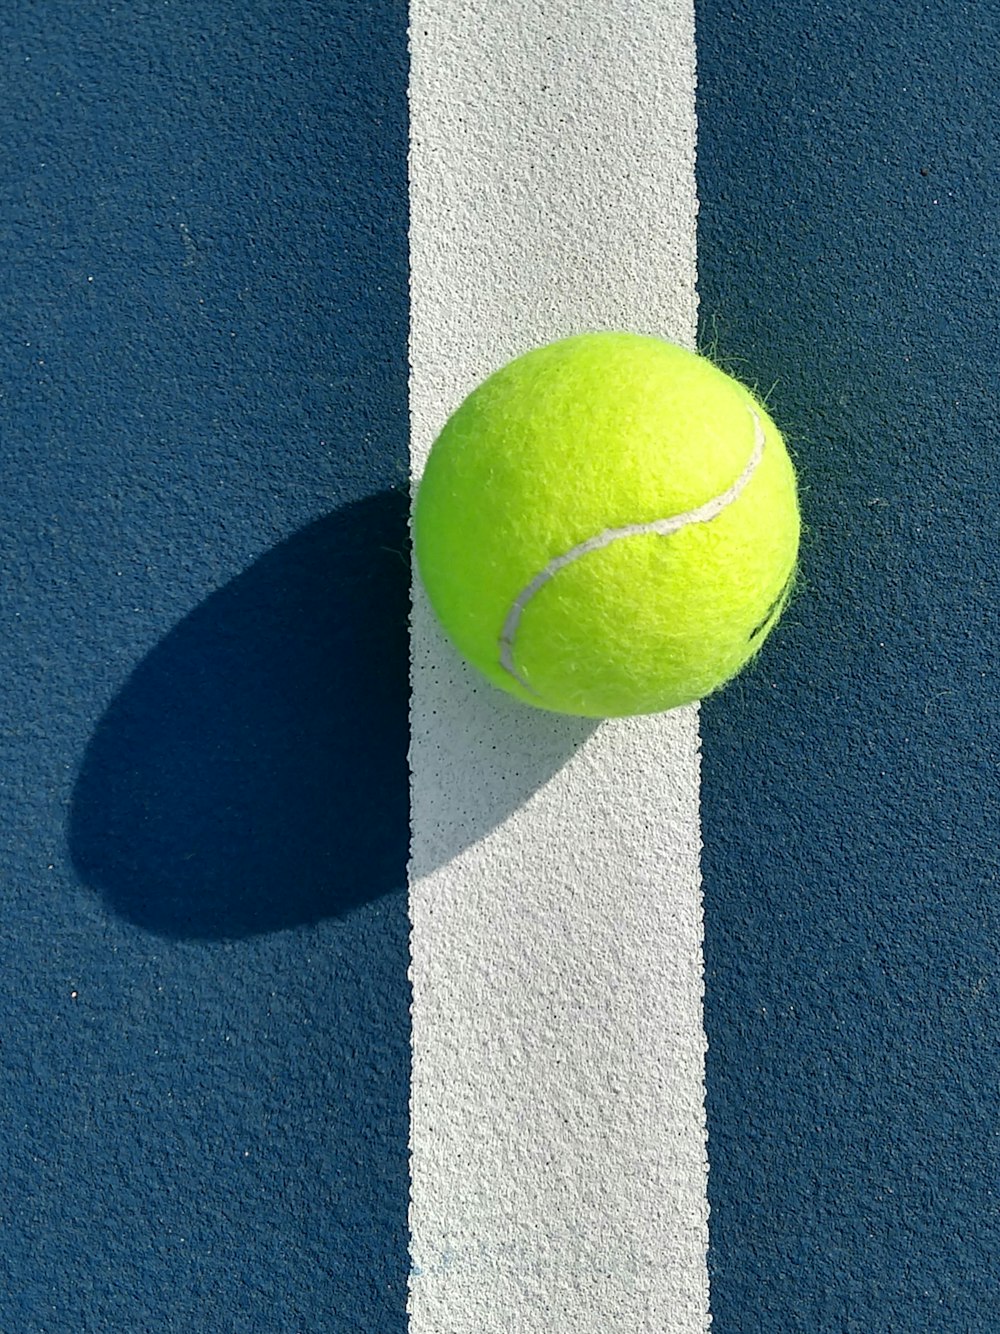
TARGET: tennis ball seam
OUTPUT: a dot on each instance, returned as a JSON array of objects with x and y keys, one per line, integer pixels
[
  {"x": 704, "y": 513},
  {"x": 772, "y": 612}
]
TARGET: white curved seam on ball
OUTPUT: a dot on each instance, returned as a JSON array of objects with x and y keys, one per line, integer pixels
[{"x": 704, "y": 513}]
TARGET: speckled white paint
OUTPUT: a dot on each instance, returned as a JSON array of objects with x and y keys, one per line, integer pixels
[{"x": 558, "y": 1130}]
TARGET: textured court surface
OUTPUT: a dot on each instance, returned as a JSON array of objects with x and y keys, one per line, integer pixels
[
  {"x": 204, "y": 999},
  {"x": 850, "y": 809},
  {"x": 204, "y": 1032}
]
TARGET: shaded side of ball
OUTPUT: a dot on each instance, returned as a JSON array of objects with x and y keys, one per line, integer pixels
[{"x": 608, "y": 525}]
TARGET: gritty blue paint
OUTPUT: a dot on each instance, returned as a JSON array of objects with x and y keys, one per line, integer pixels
[
  {"x": 848, "y": 257},
  {"x": 204, "y": 1028}
]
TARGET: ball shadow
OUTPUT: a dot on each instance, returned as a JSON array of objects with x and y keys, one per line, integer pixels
[{"x": 251, "y": 775}]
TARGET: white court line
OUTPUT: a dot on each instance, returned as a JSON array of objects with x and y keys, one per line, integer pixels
[{"x": 557, "y": 1114}]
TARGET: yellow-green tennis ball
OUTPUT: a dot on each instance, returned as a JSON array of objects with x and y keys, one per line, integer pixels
[{"x": 608, "y": 525}]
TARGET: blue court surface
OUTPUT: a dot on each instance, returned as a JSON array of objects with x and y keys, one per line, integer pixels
[{"x": 204, "y": 806}]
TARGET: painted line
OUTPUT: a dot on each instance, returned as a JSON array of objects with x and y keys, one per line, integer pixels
[{"x": 558, "y": 1152}]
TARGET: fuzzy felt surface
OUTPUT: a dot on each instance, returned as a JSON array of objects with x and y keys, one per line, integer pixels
[{"x": 603, "y": 432}]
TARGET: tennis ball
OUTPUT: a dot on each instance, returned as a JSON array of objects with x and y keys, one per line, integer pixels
[{"x": 608, "y": 525}]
